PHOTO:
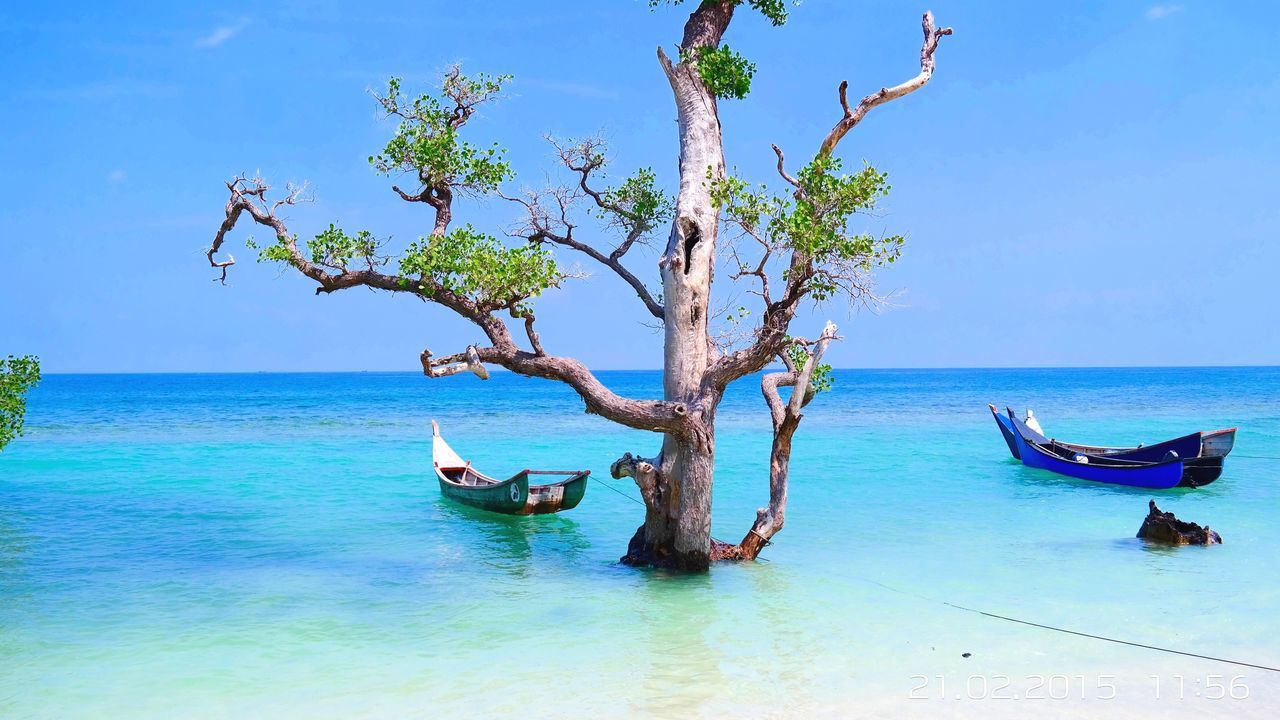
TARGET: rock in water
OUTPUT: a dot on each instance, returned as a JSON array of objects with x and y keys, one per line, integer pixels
[{"x": 1164, "y": 527}]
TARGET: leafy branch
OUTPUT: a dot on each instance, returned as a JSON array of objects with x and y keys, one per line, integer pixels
[{"x": 17, "y": 376}]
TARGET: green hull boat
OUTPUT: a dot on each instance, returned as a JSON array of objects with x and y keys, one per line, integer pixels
[{"x": 515, "y": 496}]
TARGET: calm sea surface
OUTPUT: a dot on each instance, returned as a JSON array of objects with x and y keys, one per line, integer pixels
[{"x": 275, "y": 546}]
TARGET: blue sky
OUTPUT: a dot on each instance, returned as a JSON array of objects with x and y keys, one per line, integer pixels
[{"x": 1081, "y": 184}]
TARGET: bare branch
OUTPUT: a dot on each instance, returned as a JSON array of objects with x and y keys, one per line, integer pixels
[
  {"x": 541, "y": 226},
  {"x": 771, "y": 335},
  {"x": 587, "y": 157},
  {"x": 454, "y": 364},
  {"x": 761, "y": 269},
  {"x": 535, "y": 341},
  {"x": 644, "y": 471},
  {"x": 853, "y": 116},
  {"x": 786, "y": 419},
  {"x": 769, "y": 385},
  {"x": 782, "y": 170},
  {"x": 248, "y": 193},
  {"x": 806, "y": 372}
]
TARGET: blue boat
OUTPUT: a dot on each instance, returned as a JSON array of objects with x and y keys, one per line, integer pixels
[
  {"x": 1202, "y": 453},
  {"x": 1037, "y": 451}
]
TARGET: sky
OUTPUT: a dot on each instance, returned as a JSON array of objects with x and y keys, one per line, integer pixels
[{"x": 1081, "y": 184}]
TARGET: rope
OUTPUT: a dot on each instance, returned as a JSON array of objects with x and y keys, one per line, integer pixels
[
  {"x": 641, "y": 502},
  {"x": 1114, "y": 640},
  {"x": 1016, "y": 620},
  {"x": 1258, "y": 457},
  {"x": 1072, "y": 632},
  {"x": 629, "y": 497}
]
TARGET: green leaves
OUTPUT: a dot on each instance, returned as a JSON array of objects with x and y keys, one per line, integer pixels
[
  {"x": 334, "y": 248},
  {"x": 478, "y": 267},
  {"x": 464, "y": 261},
  {"x": 279, "y": 252},
  {"x": 774, "y": 10},
  {"x": 427, "y": 143},
  {"x": 727, "y": 74},
  {"x": 814, "y": 221},
  {"x": 17, "y": 376},
  {"x": 819, "y": 224},
  {"x": 638, "y": 203},
  {"x": 820, "y": 380}
]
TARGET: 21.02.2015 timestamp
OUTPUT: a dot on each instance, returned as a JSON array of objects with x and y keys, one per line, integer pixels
[{"x": 1063, "y": 687}]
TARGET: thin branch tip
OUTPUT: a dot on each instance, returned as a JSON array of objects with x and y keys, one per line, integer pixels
[{"x": 854, "y": 115}]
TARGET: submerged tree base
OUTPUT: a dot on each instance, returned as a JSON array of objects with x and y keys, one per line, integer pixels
[
  {"x": 722, "y": 551},
  {"x": 641, "y": 553}
]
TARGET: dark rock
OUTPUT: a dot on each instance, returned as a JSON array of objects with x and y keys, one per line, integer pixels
[{"x": 1163, "y": 527}]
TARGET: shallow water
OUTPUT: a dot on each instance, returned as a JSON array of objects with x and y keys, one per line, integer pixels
[{"x": 273, "y": 545}]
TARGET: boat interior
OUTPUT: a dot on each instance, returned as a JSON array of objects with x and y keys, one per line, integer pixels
[
  {"x": 1072, "y": 455},
  {"x": 467, "y": 476}
]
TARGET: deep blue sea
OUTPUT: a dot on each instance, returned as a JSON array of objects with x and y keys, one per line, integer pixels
[{"x": 274, "y": 545}]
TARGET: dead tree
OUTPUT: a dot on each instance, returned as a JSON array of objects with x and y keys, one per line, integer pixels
[{"x": 791, "y": 248}]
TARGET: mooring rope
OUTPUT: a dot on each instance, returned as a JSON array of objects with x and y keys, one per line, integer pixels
[
  {"x": 1115, "y": 640},
  {"x": 1070, "y": 632},
  {"x": 926, "y": 598},
  {"x": 641, "y": 502},
  {"x": 1258, "y": 457},
  {"x": 632, "y": 499}
]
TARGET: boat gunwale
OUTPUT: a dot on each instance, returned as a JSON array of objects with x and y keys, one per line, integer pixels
[
  {"x": 1130, "y": 470},
  {"x": 494, "y": 482},
  {"x": 1102, "y": 451}
]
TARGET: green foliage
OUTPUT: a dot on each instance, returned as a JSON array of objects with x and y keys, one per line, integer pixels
[
  {"x": 333, "y": 248},
  {"x": 774, "y": 10},
  {"x": 279, "y": 252},
  {"x": 814, "y": 221},
  {"x": 17, "y": 376},
  {"x": 479, "y": 267},
  {"x": 727, "y": 74},
  {"x": 734, "y": 317},
  {"x": 427, "y": 143},
  {"x": 820, "y": 380},
  {"x": 643, "y": 205}
]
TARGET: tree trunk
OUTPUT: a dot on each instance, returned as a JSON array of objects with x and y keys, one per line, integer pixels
[
  {"x": 677, "y": 492},
  {"x": 677, "y": 528}
]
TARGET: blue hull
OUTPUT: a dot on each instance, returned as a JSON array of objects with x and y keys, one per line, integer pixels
[
  {"x": 1006, "y": 429},
  {"x": 1155, "y": 476}
]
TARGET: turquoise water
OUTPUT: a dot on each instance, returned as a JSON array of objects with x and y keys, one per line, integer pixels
[{"x": 273, "y": 546}]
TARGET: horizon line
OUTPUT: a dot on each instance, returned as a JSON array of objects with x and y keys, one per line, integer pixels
[{"x": 659, "y": 370}]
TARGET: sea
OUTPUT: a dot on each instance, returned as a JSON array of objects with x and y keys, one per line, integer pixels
[{"x": 276, "y": 546}]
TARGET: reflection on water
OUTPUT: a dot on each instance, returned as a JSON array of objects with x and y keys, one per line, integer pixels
[
  {"x": 14, "y": 544},
  {"x": 508, "y": 542},
  {"x": 681, "y": 670}
]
